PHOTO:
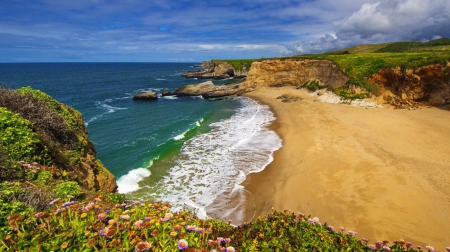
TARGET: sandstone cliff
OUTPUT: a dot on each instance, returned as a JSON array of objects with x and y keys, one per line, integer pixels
[
  {"x": 216, "y": 70},
  {"x": 293, "y": 72},
  {"x": 428, "y": 84}
]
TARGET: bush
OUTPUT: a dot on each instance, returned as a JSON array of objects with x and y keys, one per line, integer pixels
[
  {"x": 67, "y": 188},
  {"x": 312, "y": 85}
]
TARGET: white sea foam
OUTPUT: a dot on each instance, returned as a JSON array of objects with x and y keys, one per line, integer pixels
[
  {"x": 183, "y": 135},
  {"x": 180, "y": 136},
  {"x": 211, "y": 166},
  {"x": 129, "y": 182},
  {"x": 109, "y": 109},
  {"x": 170, "y": 97}
]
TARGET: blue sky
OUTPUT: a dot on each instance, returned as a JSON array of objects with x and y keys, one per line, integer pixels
[{"x": 197, "y": 30}]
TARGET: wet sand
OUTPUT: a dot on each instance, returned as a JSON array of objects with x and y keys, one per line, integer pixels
[{"x": 382, "y": 172}]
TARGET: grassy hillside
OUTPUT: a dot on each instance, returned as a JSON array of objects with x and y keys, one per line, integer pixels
[{"x": 359, "y": 62}]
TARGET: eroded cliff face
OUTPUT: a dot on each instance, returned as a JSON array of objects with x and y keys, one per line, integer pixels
[
  {"x": 292, "y": 72},
  {"x": 216, "y": 70},
  {"x": 94, "y": 174},
  {"x": 428, "y": 84}
]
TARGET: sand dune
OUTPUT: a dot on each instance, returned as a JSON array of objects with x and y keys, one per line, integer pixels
[{"x": 382, "y": 172}]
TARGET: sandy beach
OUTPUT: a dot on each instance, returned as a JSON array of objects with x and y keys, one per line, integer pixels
[{"x": 382, "y": 172}]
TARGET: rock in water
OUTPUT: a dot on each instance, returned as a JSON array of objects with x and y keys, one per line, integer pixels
[
  {"x": 208, "y": 90},
  {"x": 146, "y": 96}
]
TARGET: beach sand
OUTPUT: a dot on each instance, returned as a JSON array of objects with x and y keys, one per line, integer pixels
[{"x": 381, "y": 172}]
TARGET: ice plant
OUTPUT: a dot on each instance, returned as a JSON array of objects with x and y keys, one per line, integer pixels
[
  {"x": 230, "y": 249},
  {"x": 352, "y": 233},
  {"x": 372, "y": 247},
  {"x": 429, "y": 248},
  {"x": 125, "y": 217},
  {"x": 39, "y": 215},
  {"x": 182, "y": 244},
  {"x": 386, "y": 248},
  {"x": 107, "y": 232},
  {"x": 138, "y": 224},
  {"x": 51, "y": 203},
  {"x": 190, "y": 228},
  {"x": 101, "y": 216},
  {"x": 65, "y": 204},
  {"x": 142, "y": 246}
]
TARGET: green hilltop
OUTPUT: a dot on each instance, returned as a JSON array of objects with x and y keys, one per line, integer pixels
[{"x": 361, "y": 61}]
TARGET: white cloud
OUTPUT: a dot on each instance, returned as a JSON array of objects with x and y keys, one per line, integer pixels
[{"x": 383, "y": 21}]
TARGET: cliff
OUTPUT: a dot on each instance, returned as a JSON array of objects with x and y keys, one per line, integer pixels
[
  {"x": 428, "y": 84},
  {"x": 293, "y": 72},
  {"x": 40, "y": 134},
  {"x": 216, "y": 70}
]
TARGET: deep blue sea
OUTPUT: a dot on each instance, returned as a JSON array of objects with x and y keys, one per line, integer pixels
[{"x": 189, "y": 151}]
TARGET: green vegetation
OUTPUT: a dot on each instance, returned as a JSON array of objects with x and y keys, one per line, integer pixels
[
  {"x": 238, "y": 64},
  {"x": 67, "y": 188},
  {"x": 100, "y": 225},
  {"x": 360, "y": 66},
  {"x": 36, "y": 128},
  {"x": 312, "y": 85},
  {"x": 360, "y": 62}
]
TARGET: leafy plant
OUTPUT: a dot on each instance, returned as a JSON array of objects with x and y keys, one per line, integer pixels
[
  {"x": 312, "y": 85},
  {"x": 99, "y": 225},
  {"x": 67, "y": 188}
]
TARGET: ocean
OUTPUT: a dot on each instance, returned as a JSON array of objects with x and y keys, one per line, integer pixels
[{"x": 189, "y": 151}]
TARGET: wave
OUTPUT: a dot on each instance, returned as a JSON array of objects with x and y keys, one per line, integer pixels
[
  {"x": 192, "y": 127},
  {"x": 109, "y": 109},
  {"x": 130, "y": 182},
  {"x": 211, "y": 166},
  {"x": 170, "y": 97}
]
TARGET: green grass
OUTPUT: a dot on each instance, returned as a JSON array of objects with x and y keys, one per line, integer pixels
[
  {"x": 238, "y": 64},
  {"x": 360, "y": 62}
]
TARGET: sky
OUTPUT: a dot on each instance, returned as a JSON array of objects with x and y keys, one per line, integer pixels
[{"x": 198, "y": 30}]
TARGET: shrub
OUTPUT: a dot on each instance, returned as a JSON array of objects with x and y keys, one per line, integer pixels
[
  {"x": 67, "y": 188},
  {"x": 312, "y": 85}
]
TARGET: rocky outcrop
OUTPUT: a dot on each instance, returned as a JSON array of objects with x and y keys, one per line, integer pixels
[
  {"x": 294, "y": 72},
  {"x": 428, "y": 84},
  {"x": 208, "y": 90},
  {"x": 146, "y": 96},
  {"x": 216, "y": 70}
]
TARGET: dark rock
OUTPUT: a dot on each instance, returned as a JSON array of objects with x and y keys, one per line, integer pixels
[
  {"x": 146, "y": 96},
  {"x": 166, "y": 93}
]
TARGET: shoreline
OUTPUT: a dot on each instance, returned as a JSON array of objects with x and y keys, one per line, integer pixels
[{"x": 380, "y": 172}]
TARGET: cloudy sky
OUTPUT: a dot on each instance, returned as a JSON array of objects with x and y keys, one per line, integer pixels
[{"x": 196, "y": 30}]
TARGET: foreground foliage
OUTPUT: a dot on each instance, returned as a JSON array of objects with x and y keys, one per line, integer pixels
[{"x": 107, "y": 222}]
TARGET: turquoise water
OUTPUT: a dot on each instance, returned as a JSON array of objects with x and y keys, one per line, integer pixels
[{"x": 189, "y": 151}]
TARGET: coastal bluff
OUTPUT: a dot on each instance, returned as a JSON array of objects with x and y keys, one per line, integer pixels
[
  {"x": 217, "y": 70},
  {"x": 43, "y": 136},
  {"x": 292, "y": 72}
]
